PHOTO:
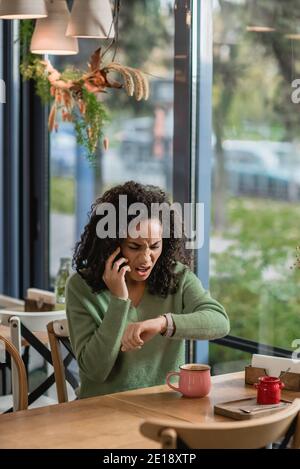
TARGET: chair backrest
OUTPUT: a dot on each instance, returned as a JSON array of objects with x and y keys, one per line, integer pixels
[
  {"x": 256, "y": 433},
  {"x": 57, "y": 330},
  {"x": 34, "y": 321},
  {"x": 21, "y": 373}
]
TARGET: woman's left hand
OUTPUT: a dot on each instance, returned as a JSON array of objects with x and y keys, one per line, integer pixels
[{"x": 137, "y": 333}]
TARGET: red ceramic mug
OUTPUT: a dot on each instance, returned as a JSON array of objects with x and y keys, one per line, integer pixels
[
  {"x": 194, "y": 380},
  {"x": 268, "y": 390}
]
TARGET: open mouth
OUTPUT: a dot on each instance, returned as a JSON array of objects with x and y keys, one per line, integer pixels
[{"x": 142, "y": 270}]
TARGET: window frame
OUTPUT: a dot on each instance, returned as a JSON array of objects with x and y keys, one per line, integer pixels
[
  {"x": 206, "y": 41},
  {"x": 1, "y": 168},
  {"x": 24, "y": 161},
  {"x": 10, "y": 183}
]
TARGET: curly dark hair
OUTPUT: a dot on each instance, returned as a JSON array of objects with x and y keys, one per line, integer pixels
[{"x": 91, "y": 252}]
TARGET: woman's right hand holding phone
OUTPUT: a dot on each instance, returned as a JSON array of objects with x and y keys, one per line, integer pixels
[{"x": 114, "y": 276}]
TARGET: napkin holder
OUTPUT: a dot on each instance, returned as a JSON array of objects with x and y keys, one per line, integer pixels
[
  {"x": 290, "y": 380},
  {"x": 39, "y": 301}
]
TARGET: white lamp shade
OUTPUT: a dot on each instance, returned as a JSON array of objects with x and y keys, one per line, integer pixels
[
  {"x": 91, "y": 19},
  {"x": 49, "y": 36},
  {"x": 22, "y": 9},
  {"x": 294, "y": 37},
  {"x": 260, "y": 29},
  {"x": 294, "y": 33}
]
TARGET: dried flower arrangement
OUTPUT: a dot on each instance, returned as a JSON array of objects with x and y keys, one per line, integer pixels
[{"x": 75, "y": 95}]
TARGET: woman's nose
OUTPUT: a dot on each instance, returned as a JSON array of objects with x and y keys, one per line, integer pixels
[{"x": 146, "y": 256}]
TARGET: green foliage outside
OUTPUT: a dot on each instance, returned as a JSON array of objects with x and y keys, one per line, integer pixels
[
  {"x": 255, "y": 278},
  {"x": 227, "y": 360},
  {"x": 253, "y": 72},
  {"x": 62, "y": 197}
]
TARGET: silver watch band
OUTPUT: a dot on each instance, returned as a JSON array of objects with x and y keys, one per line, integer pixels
[{"x": 170, "y": 325}]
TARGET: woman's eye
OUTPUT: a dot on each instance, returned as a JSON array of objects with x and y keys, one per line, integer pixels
[{"x": 135, "y": 248}]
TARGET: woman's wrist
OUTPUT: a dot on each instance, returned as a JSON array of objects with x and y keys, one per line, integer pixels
[
  {"x": 169, "y": 328},
  {"x": 120, "y": 297},
  {"x": 164, "y": 324}
]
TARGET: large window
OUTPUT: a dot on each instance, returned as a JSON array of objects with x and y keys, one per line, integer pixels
[
  {"x": 256, "y": 178},
  {"x": 140, "y": 133}
]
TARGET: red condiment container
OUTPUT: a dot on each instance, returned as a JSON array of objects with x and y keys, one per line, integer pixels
[{"x": 268, "y": 390}]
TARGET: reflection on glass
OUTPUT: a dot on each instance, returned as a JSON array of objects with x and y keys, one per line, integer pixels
[
  {"x": 256, "y": 176},
  {"x": 140, "y": 133}
]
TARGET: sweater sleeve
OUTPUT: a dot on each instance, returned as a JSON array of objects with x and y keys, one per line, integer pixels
[
  {"x": 202, "y": 317},
  {"x": 96, "y": 342}
]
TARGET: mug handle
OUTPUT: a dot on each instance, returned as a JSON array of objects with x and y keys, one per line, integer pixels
[{"x": 172, "y": 373}]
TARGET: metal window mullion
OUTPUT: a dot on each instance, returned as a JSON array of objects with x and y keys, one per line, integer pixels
[
  {"x": 11, "y": 174},
  {"x": 34, "y": 200},
  {"x": 182, "y": 104},
  {"x": 25, "y": 189},
  {"x": 40, "y": 198},
  {"x": 1, "y": 169},
  {"x": 202, "y": 76},
  {"x": 182, "y": 112}
]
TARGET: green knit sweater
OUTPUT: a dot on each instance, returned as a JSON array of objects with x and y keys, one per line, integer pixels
[{"x": 97, "y": 323}]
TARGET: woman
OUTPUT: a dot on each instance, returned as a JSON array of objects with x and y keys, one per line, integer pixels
[{"x": 134, "y": 298}]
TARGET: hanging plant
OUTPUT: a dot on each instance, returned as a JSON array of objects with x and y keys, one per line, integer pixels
[{"x": 76, "y": 96}]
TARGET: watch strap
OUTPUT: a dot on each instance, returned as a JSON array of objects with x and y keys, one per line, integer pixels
[{"x": 170, "y": 325}]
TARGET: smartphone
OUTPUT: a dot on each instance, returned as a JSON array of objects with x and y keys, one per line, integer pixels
[{"x": 119, "y": 256}]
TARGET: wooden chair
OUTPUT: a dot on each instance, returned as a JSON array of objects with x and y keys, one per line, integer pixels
[
  {"x": 256, "y": 433},
  {"x": 58, "y": 333},
  {"x": 21, "y": 382},
  {"x": 30, "y": 326}
]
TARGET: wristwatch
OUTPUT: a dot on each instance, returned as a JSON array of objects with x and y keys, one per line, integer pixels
[{"x": 170, "y": 325}]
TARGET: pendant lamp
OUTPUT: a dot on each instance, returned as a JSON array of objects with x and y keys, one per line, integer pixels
[
  {"x": 294, "y": 33},
  {"x": 293, "y": 36},
  {"x": 260, "y": 28},
  {"x": 22, "y": 9},
  {"x": 49, "y": 36},
  {"x": 261, "y": 18},
  {"x": 91, "y": 19}
]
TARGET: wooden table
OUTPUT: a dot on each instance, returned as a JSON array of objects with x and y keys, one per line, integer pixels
[
  {"x": 9, "y": 302},
  {"x": 113, "y": 421}
]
